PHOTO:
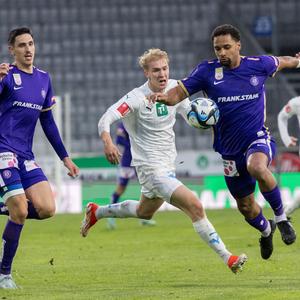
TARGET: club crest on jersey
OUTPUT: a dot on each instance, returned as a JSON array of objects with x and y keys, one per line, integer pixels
[
  {"x": 161, "y": 109},
  {"x": 254, "y": 81},
  {"x": 6, "y": 174},
  {"x": 43, "y": 93},
  {"x": 17, "y": 78},
  {"x": 219, "y": 73},
  {"x": 123, "y": 109}
]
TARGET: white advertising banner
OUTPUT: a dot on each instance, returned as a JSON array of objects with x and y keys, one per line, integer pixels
[
  {"x": 198, "y": 163},
  {"x": 68, "y": 196}
]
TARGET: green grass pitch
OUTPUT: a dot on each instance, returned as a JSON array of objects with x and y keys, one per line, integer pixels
[{"x": 168, "y": 261}]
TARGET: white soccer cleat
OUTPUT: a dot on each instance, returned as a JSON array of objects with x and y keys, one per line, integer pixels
[
  {"x": 7, "y": 282},
  {"x": 89, "y": 219},
  {"x": 236, "y": 263}
]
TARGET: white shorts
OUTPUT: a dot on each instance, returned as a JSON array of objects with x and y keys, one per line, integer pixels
[{"x": 157, "y": 183}]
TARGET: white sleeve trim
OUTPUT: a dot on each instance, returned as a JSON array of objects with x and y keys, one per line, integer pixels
[{"x": 283, "y": 127}]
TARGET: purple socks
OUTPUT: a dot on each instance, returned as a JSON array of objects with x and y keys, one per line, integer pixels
[{"x": 10, "y": 240}]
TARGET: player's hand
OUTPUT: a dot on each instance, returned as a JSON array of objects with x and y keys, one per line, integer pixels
[
  {"x": 297, "y": 55},
  {"x": 293, "y": 142},
  {"x": 112, "y": 153},
  {"x": 73, "y": 169},
  {"x": 158, "y": 97},
  {"x": 4, "y": 68}
]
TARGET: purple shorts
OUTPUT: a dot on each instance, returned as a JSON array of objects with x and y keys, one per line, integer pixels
[
  {"x": 238, "y": 180},
  {"x": 17, "y": 174}
]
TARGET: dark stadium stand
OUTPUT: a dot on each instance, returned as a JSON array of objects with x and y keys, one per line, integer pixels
[{"x": 91, "y": 47}]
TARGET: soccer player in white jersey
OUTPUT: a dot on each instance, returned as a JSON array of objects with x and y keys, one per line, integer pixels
[
  {"x": 292, "y": 108},
  {"x": 26, "y": 96},
  {"x": 150, "y": 129}
]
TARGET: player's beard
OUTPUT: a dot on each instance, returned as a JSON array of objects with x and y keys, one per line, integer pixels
[{"x": 225, "y": 62}]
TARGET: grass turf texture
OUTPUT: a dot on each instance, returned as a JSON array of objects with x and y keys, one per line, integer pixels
[{"x": 168, "y": 261}]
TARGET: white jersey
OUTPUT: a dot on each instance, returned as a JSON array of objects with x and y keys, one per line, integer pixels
[
  {"x": 150, "y": 126},
  {"x": 290, "y": 109}
]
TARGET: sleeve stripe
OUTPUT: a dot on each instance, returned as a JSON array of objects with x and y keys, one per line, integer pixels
[
  {"x": 276, "y": 60},
  {"x": 184, "y": 88},
  {"x": 48, "y": 108}
]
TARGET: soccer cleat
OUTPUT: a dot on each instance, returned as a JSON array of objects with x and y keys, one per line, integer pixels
[
  {"x": 266, "y": 243},
  {"x": 287, "y": 231},
  {"x": 235, "y": 263},
  {"x": 111, "y": 223},
  {"x": 89, "y": 218},
  {"x": 148, "y": 222},
  {"x": 6, "y": 282}
]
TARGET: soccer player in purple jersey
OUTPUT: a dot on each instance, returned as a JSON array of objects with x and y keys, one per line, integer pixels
[
  {"x": 236, "y": 84},
  {"x": 125, "y": 173},
  {"x": 25, "y": 96}
]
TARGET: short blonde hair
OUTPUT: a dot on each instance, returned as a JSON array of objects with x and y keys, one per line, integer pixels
[{"x": 150, "y": 55}]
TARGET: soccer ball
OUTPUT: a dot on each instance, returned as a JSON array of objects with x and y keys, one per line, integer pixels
[{"x": 203, "y": 113}]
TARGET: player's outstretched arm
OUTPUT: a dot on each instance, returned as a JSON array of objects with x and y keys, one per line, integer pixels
[
  {"x": 289, "y": 62},
  {"x": 172, "y": 97}
]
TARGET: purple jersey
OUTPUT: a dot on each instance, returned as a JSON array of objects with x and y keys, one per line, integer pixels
[
  {"x": 22, "y": 98},
  {"x": 240, "y": 96},
  {"x": 123, "y": 140}
]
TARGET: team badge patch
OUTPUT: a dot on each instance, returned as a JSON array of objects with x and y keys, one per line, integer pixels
[
  {"x": 161, "y": 109},
  {"x": 254, "y": 81},
  {"x": 287, "y": 108},
  {"x": 123, "y": 109},
  {"x": 219, "y": 73},
  {"x": 6, "y": 174},
  {"x": 17, "y": 78},
  {"x": 230, "y": 169}
]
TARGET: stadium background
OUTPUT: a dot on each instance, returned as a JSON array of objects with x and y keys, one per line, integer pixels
[{"x": 90, "y": 48}]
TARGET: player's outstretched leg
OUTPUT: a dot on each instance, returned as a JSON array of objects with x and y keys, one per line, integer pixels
[
  {"x": 235, "y": 263},
  {"x": 266, "y": 242},
  {"x": 125, "y": 209},
  {"x": 89, "y": 218},
  {"x": 286, "y": 229}
]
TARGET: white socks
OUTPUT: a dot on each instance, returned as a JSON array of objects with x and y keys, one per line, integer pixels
[
  {"x": 126, "y": 209},
  {"x": 208, "y": 234},
  {"x": 280, "y": 218}
]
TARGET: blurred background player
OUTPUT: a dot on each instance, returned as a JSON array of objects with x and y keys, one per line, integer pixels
[
  {"x": 236, "y": 84},
  {"x": 152, "y": 138},
  {"x": 125, "y": 173},
  {"x": 292, "y": 108},
  {"x": 25, "y": 96}
]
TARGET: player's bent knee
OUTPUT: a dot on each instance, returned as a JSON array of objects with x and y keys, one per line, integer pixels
[
  {"x": 46, "y": 212},
  {"x": 245, "y": 208},
  {"x": 257, "y": 170}
]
